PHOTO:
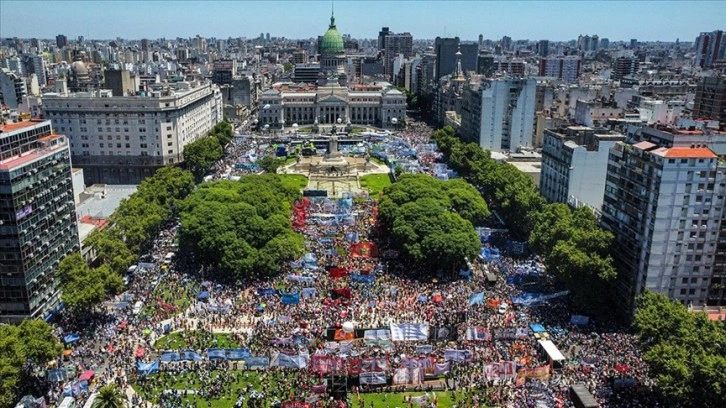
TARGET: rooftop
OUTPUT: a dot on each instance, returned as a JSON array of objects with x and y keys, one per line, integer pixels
[
  {"x": 11, "y": 127},
  {"x": 686, "y": 153},
  {"x": 33, "y": 155},
  {"x": 98, "y": 207}
]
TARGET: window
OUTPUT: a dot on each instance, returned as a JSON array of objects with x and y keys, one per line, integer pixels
[
  {"x": 100, "y": 145},
  {"x": 128, "y": 145},
  {"x": 100, "y": 129},
  {"x": 168, "y": 144},
  {"x": 170, "y": 152}
]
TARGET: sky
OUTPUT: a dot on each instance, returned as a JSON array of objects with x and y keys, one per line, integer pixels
[{"x": 533, "y": 20}]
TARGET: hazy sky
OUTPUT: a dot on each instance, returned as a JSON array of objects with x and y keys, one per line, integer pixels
[{"x": 106, "y": 19}]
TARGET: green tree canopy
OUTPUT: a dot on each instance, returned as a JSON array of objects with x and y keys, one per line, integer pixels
[
  {"x": 243, "y": 227},
  {"x": 685, "y": 351},
  {"x": 84, "y": 287},
  {"x": 431, "y": 220},
  {"x": 109, "y": 396},
  {"x": 30, "y": 340},
  {"x": 200, "y": 156}
]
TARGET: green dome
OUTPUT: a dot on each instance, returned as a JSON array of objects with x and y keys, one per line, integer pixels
[{"x": 332, "y": 42}]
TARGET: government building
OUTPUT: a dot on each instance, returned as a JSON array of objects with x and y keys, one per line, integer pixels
[
  {"x": 124, "y": 139},
  {"x": 332, "y": 100}
]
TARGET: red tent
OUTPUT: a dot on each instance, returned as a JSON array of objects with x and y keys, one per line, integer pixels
[{"x": 86, "y": 376}]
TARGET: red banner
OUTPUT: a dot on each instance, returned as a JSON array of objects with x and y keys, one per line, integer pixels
[
  {"x": 341, "y": 335},
  {"x": 336, "y": 272},
  {"x": 364, "y": 250}
]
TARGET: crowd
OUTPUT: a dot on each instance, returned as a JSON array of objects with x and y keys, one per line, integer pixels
[{"x": 384, "y": 291}]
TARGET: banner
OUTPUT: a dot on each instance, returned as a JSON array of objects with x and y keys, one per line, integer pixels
[
  {"x": 443, "y": 333},
  {"x": 169, "y": 356},
  {"x": 216, "y": 354},
  {"x": 505, "y": 370},
  {"x": 364, "y": 250},
  {"x": 301, "y": 279},
  {"x": 367, "y": 279},
  {"x": 292, "y": 361},
  {"x": 505, "y": 334},
  {"x": 476, "y": 299},
  {"x": 290, "y": 298},
  {"x": 541, "y": 373},
  {"x": 341, "y": 292},
  {"x": 189, "y": 355},
  {"x": 380, "y": 334},
  {"x": 409, "y": 331},
  {"x": 373, "y": 378},
  {"x": 336, "y": 272},
  {"x": 308, "y": 293},
  {"x": 426, "y": 349},
  {"x": 442, "y": 368},
  {"x": 257, "y": 361},
  {"x": 147, "y": 368},
  {"x": 377, "y": 365},
  {"x": 237, "y": 354},
  {"x": 266, "y": 292},
  {"x": 457, "y": 355},
  {"x": 341, "y": 335},
  {"x": 478, "y": 334},
  {"x": 401, "y": 376}
]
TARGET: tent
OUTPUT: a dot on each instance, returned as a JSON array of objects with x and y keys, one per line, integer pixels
[
  {"x": 86, "y": 375},
  {"x": 203, "y": 295},
  {"x": 537, "y": 328},
  {"x": 71, "y": 338}
]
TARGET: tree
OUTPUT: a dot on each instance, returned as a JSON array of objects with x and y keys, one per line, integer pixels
[
  {"x": 31, "y": 341},
  {"x": 201, "y": 155},
  {"x": 242, "y": 227},
  {"x": 685, "y": 351},
  {"x": 84, "y": 287},
  {"x": 288, "y": 67},
  {"x": 111, "y": 250},
  {"x": 109, "y": 396},
  {"x": 430, "y": 220},
  {"x": 223, "y": 132},
  {"x": 270, "y": 164}
]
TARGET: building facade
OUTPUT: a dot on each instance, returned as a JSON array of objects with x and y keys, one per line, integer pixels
[
  {"x": 710, "y": 101},
  {"x": 122, "y": 140},
  {"x": 37, "y": 218},
  {"x": 710, "y": 47},
  {"x": 574, "y": 163},
  {"x": 665, "y": 206},
  {"x": 372, "y": 105},
  {"x": 507, "y": 114},
  {"x": 12, "y": 87},
  {"x": 396, "y": 44},
  {"x": 564, "y": 68}
]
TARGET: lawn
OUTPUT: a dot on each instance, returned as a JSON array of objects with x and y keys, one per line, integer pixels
[
  {"x": 375, "y": 183},
  {"x": 356, "y": 129},
  {"x": 297, "y": 181},
  {"x": 190, "y": 381},
  {"x": 175, "y": 341},
  {"x": 393, "y": 400},
  {"x": 378, "y": 161}
]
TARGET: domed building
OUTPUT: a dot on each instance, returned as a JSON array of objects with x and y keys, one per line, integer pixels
[
  {"x": 79, "y": 75},
  {"x": 332, "y": 50}
]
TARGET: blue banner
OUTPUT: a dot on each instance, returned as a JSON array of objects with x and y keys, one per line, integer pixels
[
  {"x": 170, "y": 356},
  {"x": 237, "y": 354},
  {"x": 147, "y": 368},
  {"x": 257, "y": 361},
  {"x": 216, "y": 354},
  {"x": 290, "y": 298},
  {"x": 367, "y": 279},
  {"x": 308, "y": 292},
  {"x": 189, "y": 355},
  {"x": 476, "y": 299},
  {"x": 266, "y": 292}
]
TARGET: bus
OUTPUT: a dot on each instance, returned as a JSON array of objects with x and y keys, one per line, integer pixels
[
  {"x": 68, "y": 402},
  {"x": 581, "y": 397}
]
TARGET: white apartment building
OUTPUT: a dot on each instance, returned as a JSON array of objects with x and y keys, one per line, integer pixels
[
  {"x": 664, "y": 205},
  {"x": 507, "y": 114},
  {"x": 123, "y": 139},
  {"x": 574, "y": 164}
]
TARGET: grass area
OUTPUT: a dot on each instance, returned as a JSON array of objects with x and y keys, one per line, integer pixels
[
  {"x": 357, "y": 129},
  {"x": 189, "y": 380},
  {"x": 378, "y": 161},
  {"x": 180, "y": 298},
  {"x": 375, "y": 183},
  {"x": 290, "y": 160},
  {"x": 297, "y": 181},
  {"x": 203, "y": 340},
  {"x": 397, "y": 399}
]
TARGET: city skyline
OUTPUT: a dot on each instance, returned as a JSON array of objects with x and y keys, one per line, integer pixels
[{"x": 642, "y": 20}]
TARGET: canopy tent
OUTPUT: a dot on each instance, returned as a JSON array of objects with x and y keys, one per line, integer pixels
[
  {"x": 86, "y": 375},
  {"x": 71, "y": 338},
  {"x": 537, "y": 328},
  {"x": 203, "y": 295}
]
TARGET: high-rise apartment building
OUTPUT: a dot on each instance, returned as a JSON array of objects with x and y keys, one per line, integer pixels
[
  {"x": 382, "y": 37},
  {"x": 710, "y": 101},
  {"x": 507, "y": 114},
  {"x": 446, "y": 49},
  {"x": 710, "y": 47},
  {"x": 37, "y": 218},
  {"x": 12, "y": 87},
  {"x": 543, "y": 48},
  {"x": 119, "y": 82},
  {"x": 574, "y": 163},
  {"x": 565, "y": 68},
  {"x": 39, "y": 69},
  {"x": 61, "y": 40},
  {"x": 625, "y": 66},
  {"x": 395, "y": 45},
  {"x": 124, "y": 139},
  {"x": 664, "y": 205}
]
